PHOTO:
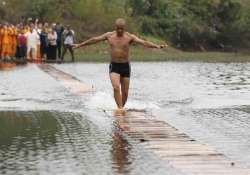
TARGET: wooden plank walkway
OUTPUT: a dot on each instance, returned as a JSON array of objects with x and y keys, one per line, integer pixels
[
  {"x": 177, "y": 149},
  {"x": 74, "y": 85}
]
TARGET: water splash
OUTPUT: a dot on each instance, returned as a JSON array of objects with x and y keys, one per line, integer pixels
[{"x": 105, "y": 101}]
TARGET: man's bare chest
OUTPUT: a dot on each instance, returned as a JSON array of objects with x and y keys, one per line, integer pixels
[{"x": 119, "y": 42}]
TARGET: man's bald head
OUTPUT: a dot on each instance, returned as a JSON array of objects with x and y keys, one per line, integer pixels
[
  {"x": 120, "y": 22},
  {"x": 120, "y": 25}
]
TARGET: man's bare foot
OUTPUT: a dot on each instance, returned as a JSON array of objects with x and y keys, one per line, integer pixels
[{"x": 120, "y": 112}]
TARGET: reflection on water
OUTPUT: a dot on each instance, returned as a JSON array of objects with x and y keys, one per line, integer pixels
[
  {"x": 120, "y": 153},
  {"x": 66, "y": 143},
  {"x": 18, "y": 128},
  {"x": 50, "y": 142},
  {"x": 7, "y": 66}
]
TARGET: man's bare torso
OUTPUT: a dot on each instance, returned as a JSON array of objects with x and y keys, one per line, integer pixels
[{"x": 119, "y": 47}]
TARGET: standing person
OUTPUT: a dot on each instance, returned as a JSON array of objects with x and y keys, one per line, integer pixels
[
  {"x": 6, "y": 42},
  {"x": 22, "y": 45},
  {"x": 44, "y": 43},
  {"x": 1, "y": 40},
  {"x": 119, "y": 42},
  {"x": 32, "y": 42},
  {"x": 38, "y": 27},
  {"x": 13, "y": 41},
  {"x": 59, "y": 32},
  {"x": 68, "y": 43},
  {"x": 52, "y": 37}
]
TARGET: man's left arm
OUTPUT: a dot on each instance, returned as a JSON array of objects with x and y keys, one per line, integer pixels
[{"x": 145, "y": 43}]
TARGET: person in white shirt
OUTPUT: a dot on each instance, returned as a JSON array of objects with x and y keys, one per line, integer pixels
[
  {"x": 68, "y": 36},
  {"x": 32, "y": 42}
]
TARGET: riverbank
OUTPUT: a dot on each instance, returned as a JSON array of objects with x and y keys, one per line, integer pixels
[{"x": 100, "y": 53}]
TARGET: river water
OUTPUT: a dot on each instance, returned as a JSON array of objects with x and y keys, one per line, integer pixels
[{"x": 44, "y": 129}]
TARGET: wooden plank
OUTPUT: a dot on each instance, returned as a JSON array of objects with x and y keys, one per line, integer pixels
[
  {"x": 71, "y": 83},
  {"x": 178, "y": 149}
]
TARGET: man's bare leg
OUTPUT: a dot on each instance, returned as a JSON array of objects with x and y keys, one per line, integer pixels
[
  {"x": 125, "y": 89},
  {"x": 115, "y": 80}
]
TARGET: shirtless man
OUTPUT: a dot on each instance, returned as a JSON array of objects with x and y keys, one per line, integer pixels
[{"x": 119, "y": 41}]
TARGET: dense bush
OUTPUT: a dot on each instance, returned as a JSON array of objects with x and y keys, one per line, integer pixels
[{"x": 203, "y": 24}]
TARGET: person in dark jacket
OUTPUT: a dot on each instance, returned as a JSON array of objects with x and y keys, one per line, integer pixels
[
  {"x": 22, "y": 45},
  {"x": 44, "y": 43},
  {"x": 59, "y": 31}
]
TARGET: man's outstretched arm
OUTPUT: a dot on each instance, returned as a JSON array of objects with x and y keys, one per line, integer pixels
[
  {"x": 93, "y": 40},
  {"x": 148, "y": 44}
]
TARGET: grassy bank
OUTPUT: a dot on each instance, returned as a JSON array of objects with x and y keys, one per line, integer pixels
[{"x": 100, "y": 53}]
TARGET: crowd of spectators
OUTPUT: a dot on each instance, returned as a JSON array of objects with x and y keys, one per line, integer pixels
[{"x": 36, "y": 41}]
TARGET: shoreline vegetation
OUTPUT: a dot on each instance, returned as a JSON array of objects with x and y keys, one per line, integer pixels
[
  {"x": 100, "y": 53},
  {"x": 139, "y": 54},
  {"x": 209, "y": 57}
]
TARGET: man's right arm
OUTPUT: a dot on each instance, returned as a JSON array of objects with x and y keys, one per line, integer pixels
[{"x": 93, "y": 40}]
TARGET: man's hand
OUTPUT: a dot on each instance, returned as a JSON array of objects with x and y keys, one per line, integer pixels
[
  {"x": 162, "y": 46},
  {"x": 76, "y": 46}
]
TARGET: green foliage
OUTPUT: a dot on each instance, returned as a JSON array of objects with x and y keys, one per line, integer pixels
[
  {"x": 203, "y": 24},
  {"x": 187, "y": 24}
]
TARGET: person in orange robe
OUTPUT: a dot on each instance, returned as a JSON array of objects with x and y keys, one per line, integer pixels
[
  {"x": 1, "y": 38},
  {"x": 14, "y": 41},
  {"x": 11, "y": 33},
  {"x": 10, "y": 45},
  {"x": 5, "y": 42}
]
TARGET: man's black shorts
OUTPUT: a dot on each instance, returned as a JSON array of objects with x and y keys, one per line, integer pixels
[{"x": 123, "y": 69}]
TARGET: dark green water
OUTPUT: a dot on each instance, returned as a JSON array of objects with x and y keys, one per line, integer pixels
[{"x": 67, "y": 143}]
